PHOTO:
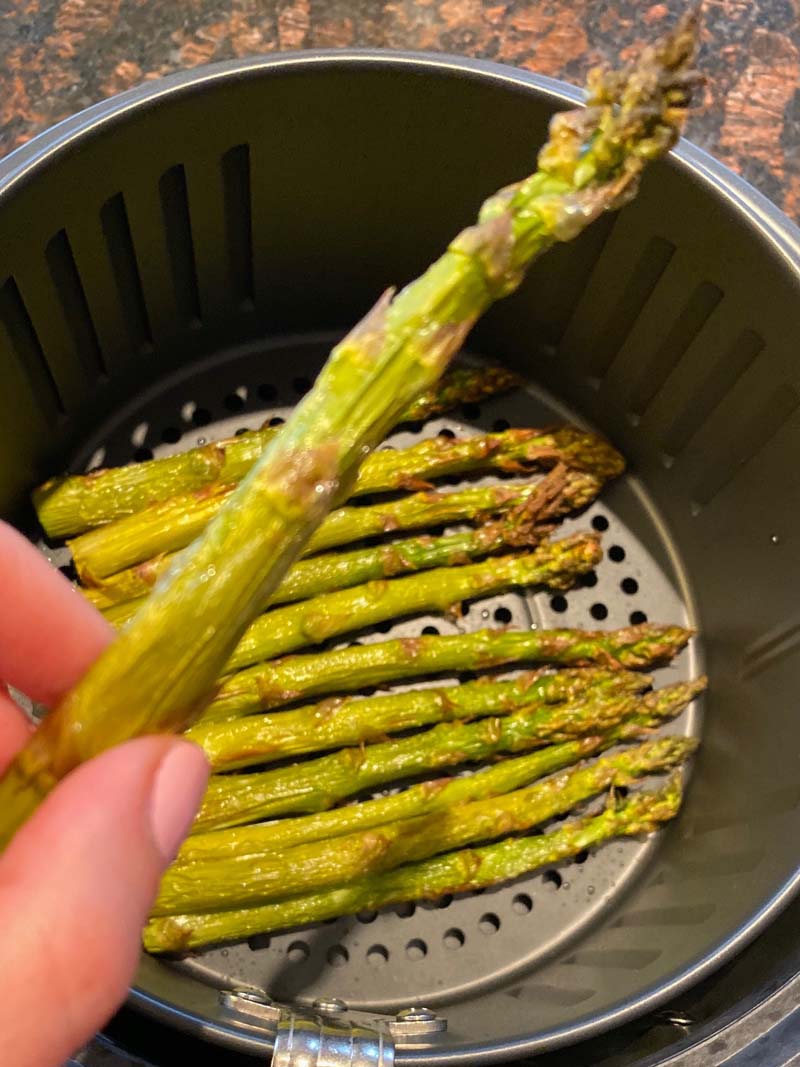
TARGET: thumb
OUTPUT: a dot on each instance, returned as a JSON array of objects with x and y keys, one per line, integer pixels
[{"x": 76, "y": 884}]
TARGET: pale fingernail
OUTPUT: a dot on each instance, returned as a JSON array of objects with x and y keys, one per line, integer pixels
[{"x": 179, "y": 785}]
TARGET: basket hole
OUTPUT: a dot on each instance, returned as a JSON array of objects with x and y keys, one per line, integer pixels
[
  {"x": 522, "y": 904},
  {"x": 276, "y": 420},
  {"x": 501, "y": 425},
  {"x": 637, "y": 618},
  {"x": 298, "y": 952},
  {"x": 416, "y": 949},
  {"x": 629, "y": 586},
  {"x": 446, "y": 432},
  {"x": 471, "y": 411},
  {"x": 377, "y": 955},
  {"x": 384, "y": 627},
  {"x": 201, "y": 417},
  {"x": 451, "y": 479},
  {"x": 337, "y": 956},
  {"x": 600, "y": 523},
  {"x": 267, "y": 391},
  {"x": 559, "y": 604},
  {"x": 415, "y": 426},
  {"x": 616, "y": 553},
  {"x": 582, "y": 856},
  {"x": 142, "y": 455},
  {"x": 444, "y": 901},
  {"x": 170, "y": 435},
  {"x": 367, "y": 917},
  {"x": 621, "y": 791},
  {"x": 454, "y": 939},
  {"x": 255, "y": 944},
  {"x": 430, "y": 630},
  {"x": 598, "y": 611},
  {"x": 589, "y": 580},
  {"x": 489, "y": 923},
  {"x": 502, "y": 615},
  {"x": 407, "y": 910},
  {"x": 242, "y": 430},
  {"x": 552, "y": 878},
  {"x": 233, "y": 402},
  {"x": 301, "y": 386}
]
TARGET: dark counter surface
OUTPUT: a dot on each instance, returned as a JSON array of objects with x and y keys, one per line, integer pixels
[{"x": 58, "y": 56}]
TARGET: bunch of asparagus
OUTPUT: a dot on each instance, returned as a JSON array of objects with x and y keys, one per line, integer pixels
[{"x": 237, "y": 598}]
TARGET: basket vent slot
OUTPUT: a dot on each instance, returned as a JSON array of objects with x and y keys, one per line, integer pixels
[
  {"x": 751, "y": 437},
  {"x": 25, "y": 341},
  {"x": 644, "y": 277},
  {"x": 692, "y": 318},
  {"x": 72, "y": 297},
  {"x": 117, "y": 234},
  {"x": 238, "y": 221},
  {"x": 711, "y": 391},
  {"x": 178, "y": 231}
]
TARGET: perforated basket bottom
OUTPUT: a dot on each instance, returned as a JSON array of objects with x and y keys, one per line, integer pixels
[{"x": 429, "y": 952}]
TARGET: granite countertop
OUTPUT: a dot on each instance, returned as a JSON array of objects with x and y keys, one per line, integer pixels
[{"x": 58, "y": 56}]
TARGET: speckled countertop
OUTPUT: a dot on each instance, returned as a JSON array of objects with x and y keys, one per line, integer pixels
[{"x": 57, "y": 56}]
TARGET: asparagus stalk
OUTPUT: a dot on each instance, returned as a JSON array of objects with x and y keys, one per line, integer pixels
[
  {"x": 253, "y": 880},
  {"x": 345, "y": 670},
  {"x": 310, "y": 622},
  {"x": 71, "y": 504},
  {"x": 171, "y": 524},
  {"x": 516, "y": 528},
  {"x": 456, "y": 872},
  {"x": 408, "y": 513},
  {"x": 338, "y": 722},
  {"x": 160, "y": 671},
  {"x": 432, "y": 795},
  {"x": 320, "y": 783}
]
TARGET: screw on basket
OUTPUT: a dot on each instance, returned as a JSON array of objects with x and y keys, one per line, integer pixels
[
  {"x": 416, "y": 1022},
  {"x": 252, "y": 1003},
  {"x": 329, "y": 1006},
  {"x": 302, "y": 1042}
]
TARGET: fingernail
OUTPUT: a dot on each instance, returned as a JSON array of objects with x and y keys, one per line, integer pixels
[{"x": 178, "y": 788}]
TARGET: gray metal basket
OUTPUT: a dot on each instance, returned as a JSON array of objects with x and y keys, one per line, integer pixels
[{"x": 177, "y": 262}]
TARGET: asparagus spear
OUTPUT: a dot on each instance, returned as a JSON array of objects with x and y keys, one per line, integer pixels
[
  {"x": 320, "y": 783},
  {"x": 411, "y": 512},
  {"x": 456, "y": 872},
  {"x": 433, "y": 795},
  {"x": 159, "y": 672},
  {"x": 337, "y": 722},
  {"x": 172, "y": 524},
  {"x": 294, "y": 626},
  {"x": 346, "y": 670},
  {"x": 253, "y": 880},
  {"x": 516, "y": 528},
  {"x": 71, "y": 504}
]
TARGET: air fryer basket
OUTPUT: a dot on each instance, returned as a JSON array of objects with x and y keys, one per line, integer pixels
[{"x": 179, "y": 259}]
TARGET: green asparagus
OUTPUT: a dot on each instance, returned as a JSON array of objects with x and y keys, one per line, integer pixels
[
  {"x": 515, "y": 528},
  {"x": 171, "y": 524},
  {"x": 337, "y": 722},
  {"x": 69, "y": 505},
  {"x": 434, "y": 508},
  {"x": 253, "y": 880},
  {"x": 161, "y": 670},
  {"x": 557, "y": 566},
  {"x": 347, "y": 670},
  {"x": 320, "y": 783},
  {"x": 455, "y": 872}
]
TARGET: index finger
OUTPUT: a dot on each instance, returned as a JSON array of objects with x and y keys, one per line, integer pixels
[{"x": 49, "y": 634}]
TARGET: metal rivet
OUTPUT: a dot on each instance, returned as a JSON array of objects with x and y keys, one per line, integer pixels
[
  {"x": 250, "y": 1002},
  {"x": 329, "y": 1006},
  {"x": 416, "y": 1022}
]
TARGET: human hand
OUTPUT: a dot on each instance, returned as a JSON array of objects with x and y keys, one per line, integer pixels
[{"x": 77, "y": 881}]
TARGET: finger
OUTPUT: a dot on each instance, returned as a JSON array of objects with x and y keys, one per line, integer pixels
[
  {"x": 15, "y": 729},
  {"x": 76, "y": 884},
  {"x": 49, "y": 633}
]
